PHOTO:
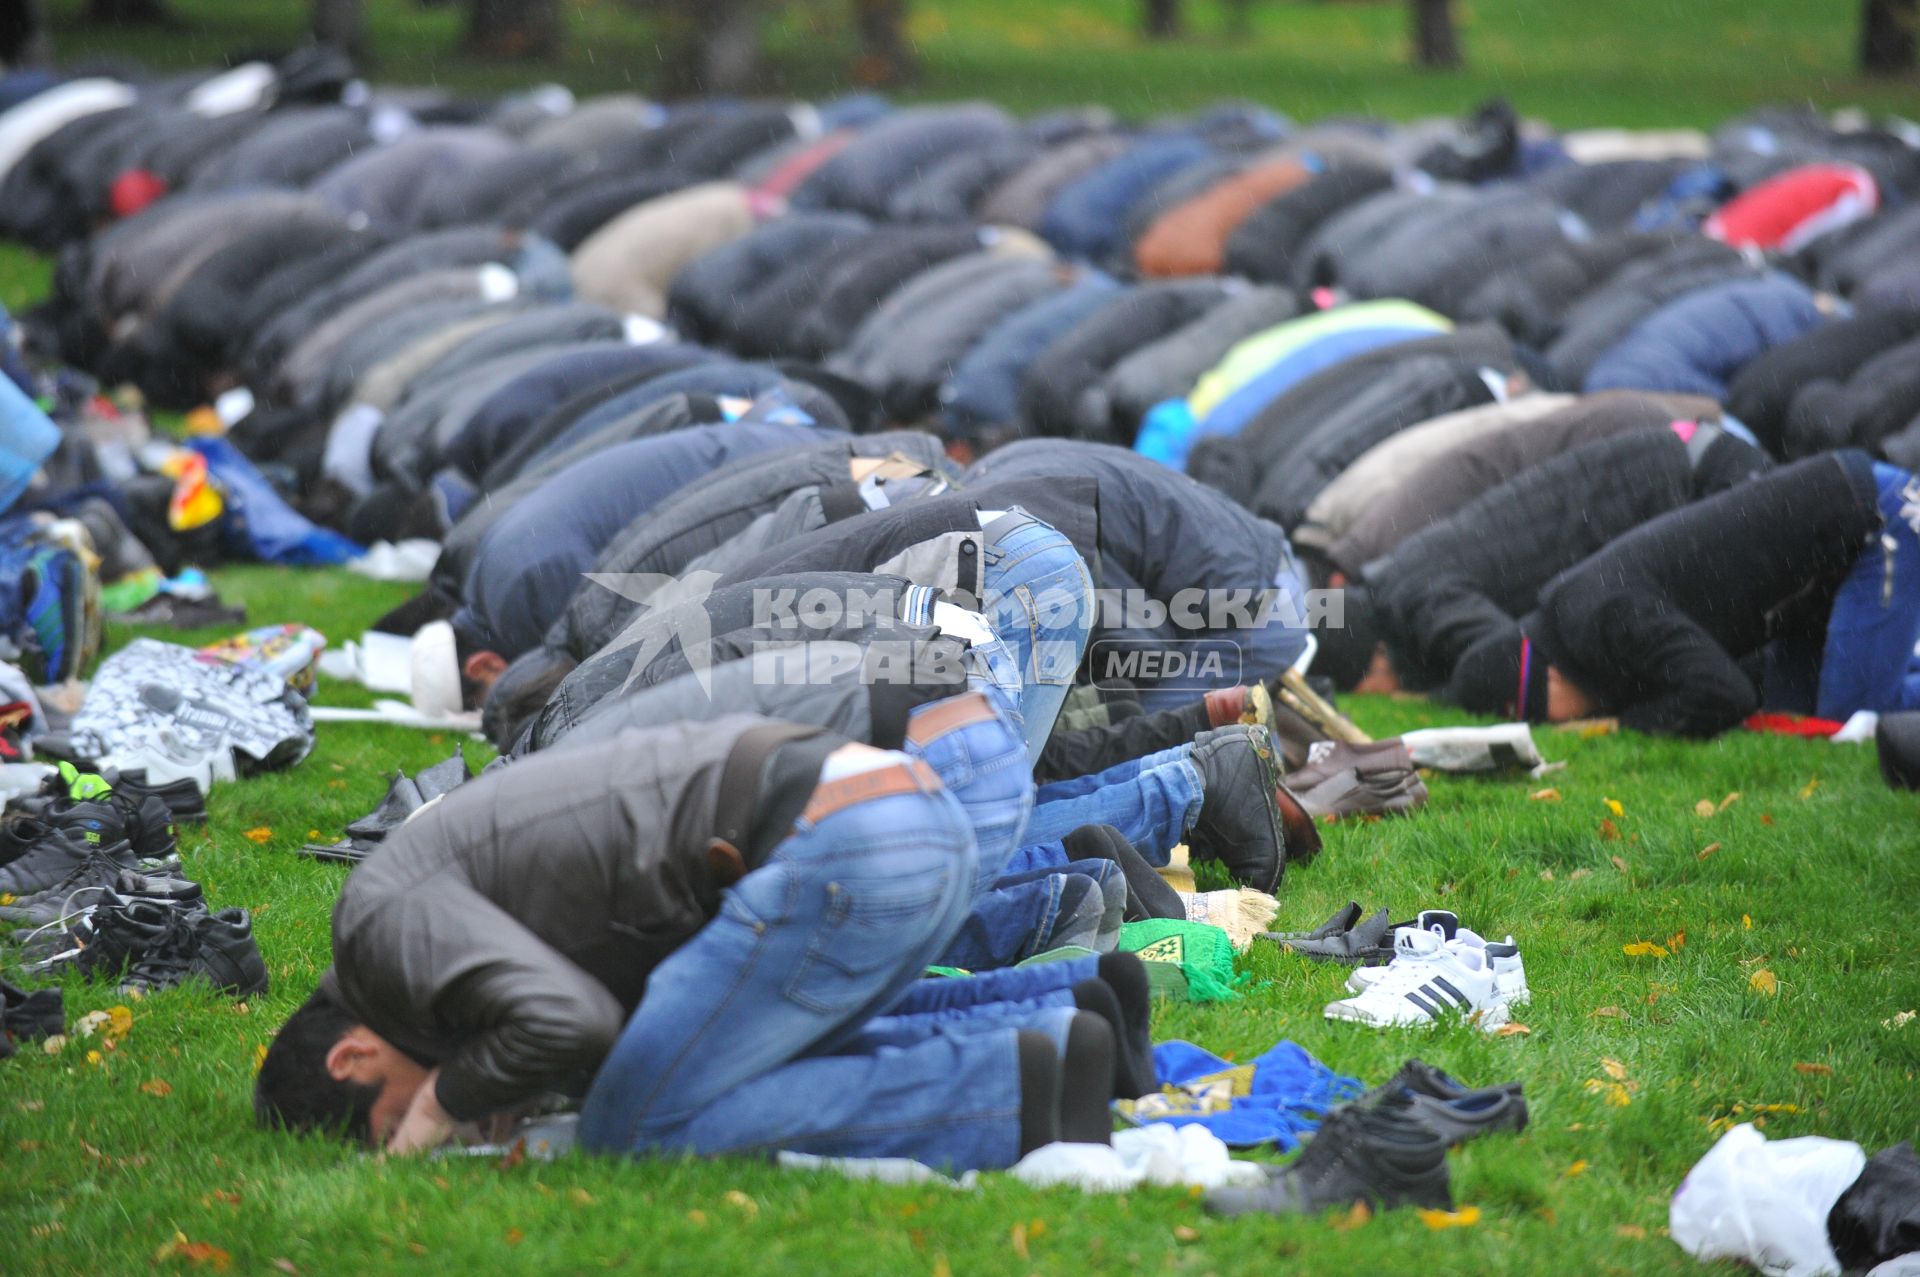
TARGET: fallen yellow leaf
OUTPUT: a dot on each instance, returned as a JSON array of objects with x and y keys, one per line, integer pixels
[
  {"x": 158, "y": 1088},
  {"x": 1817, "y": 1070},
  {"x": 1746, "y": 921},
  {"x": 1611, "y": 1013},
  {"x": 1465, "y": 1217},
  {"x": 1609, "y": 831},
  {"x": 1613, "y": 1068},
  {"x": 1677, "y": 941},
  {"x": 741, "y": 1202},
  {"x": 1806, "y": 790},
  {"x": 1706, "y": 851},
  {"x": 1511, "y": 1029},
  {"x": 941, "y": 1268},
  {"x": 119, "y": 1021},
  {"x": 1764, "y": 982},
  {"x": 1633, "y": 1231},
  {"x": 1618, "y": 863},
  {"x": 1578, "y": 1168},
  {"x": 6, "y": 897},
  {"x": 1186, "y": 1233},
  {"x": 196, "y": 1253},
  {"x": 697, "y": 1217},
  {"x": 579, "y": 1197},
  {"x": 1545, "y": 795},
  {"x": 1644, "y": 949},
  {"x": 1018, "y": 1238},
  {"x": 258, "y": 834},
  {"x": 94, "y": 1057},
  {"x": 1728, "y": 801},
  {"x": 259, "y": 1057},
  {"x": 1355, "y": 1218},
  {"x": 1614, "y": 806},
  {"x": 1704, "y": 808}
]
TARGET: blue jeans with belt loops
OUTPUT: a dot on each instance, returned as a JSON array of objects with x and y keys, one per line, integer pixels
[
  {"x": 1039, "y": 600},
  {"x": 738, "y": 1045}
]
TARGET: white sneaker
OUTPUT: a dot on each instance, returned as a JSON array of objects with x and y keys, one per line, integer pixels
[
  {"x": 1438, "y": 921},
  {"x": 1430, "y": 979}
]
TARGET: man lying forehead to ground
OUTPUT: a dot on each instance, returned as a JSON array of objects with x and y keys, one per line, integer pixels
[{"x": 707, "y": 920}]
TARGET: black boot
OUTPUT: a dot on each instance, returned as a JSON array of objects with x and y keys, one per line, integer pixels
[
  {"x": 1239, "y": 822},
  {"x": 1375, "y": 1155}
]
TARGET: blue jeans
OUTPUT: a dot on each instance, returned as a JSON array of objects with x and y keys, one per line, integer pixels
[
  {"x": 1869, "y": 660},
  {"x": 1039, "y": 600},
  {"x": 985, "y": 766},
  {"x": 1152, "y": 800},
  {"x": 731, "y": 1048},
  {"x": 1018, "y": 915}
]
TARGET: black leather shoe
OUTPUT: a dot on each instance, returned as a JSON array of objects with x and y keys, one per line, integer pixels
[
  {"x": 402, "y": 800},
  {"x": 1347, "y": 937},
  {"x": 1239, "y": 823},
  {"x": 1379, "y": 1156}
]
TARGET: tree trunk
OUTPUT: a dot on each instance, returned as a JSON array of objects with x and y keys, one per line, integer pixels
[
  {"x": 886, "y": 56},
  {"x": 1160, "y": 20},
  {"x": 23, "y": 34},
  {"x": 709, "y": 46},
  {"x": 128, "y": 13},
  {"x": 342, "y": 24},
  {"x": 1887, "y": 37},
  {"x": 513, "y": 28},
  {"x": 1435, "y": 43}
]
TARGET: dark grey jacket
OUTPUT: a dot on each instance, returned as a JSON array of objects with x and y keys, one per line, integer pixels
[{"x": 506, "y": 932}]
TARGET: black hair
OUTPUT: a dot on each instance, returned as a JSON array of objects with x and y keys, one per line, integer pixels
[
  {"x": 1346, "y": 650},
  {"x": 294, "y": 1090}
]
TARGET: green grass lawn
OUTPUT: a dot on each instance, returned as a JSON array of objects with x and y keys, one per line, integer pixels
[
  {"x": 1574, "y": 62},
  {"x": 1810, "y": 876}
]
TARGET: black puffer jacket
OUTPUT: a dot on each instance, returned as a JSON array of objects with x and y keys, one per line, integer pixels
[
  {"x": 1597, "y": 322},
  {"x": 1061, "y": 391},
  {"x": 1384, "y": 385},
  {"x": 1876, "y": 402},
  {"x": 1763, "y": 392},
  {"x": 1474, "y": 572},
  {"x": 1263, "y": 247}
]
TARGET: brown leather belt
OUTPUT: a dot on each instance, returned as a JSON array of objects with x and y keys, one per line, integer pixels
[
  {"x": 941, "y": 717},
  {"x": 911, "y": 777}
]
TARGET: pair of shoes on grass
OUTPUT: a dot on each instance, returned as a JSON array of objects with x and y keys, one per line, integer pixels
[{"x": 1387, "y": 1149}]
